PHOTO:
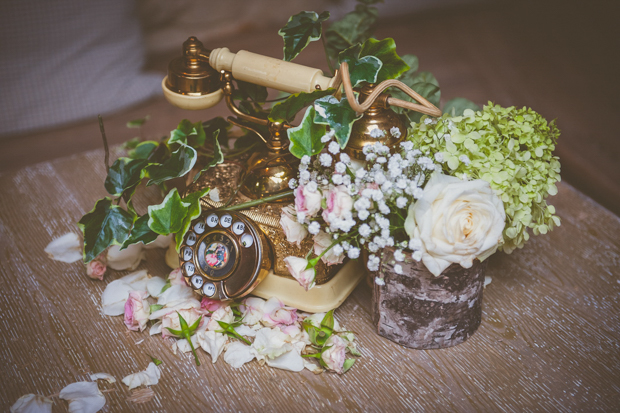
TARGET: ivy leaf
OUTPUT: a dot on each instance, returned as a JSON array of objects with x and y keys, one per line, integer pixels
[
  {"x": 252, "y": 91},
  {"x": 136, "y": 123},
  {"x": 141, "y": 232},
  {"x": 193, "y": 211},
  {"x": 300, "y": 30},
  {"x": 188, "y": 133},
  {"x": 361, "y": 69},
  {"x": 105, "y": 225},
  {"x": 130, "y": 144},
  {"x": 286, "y": 110},
  {"x": 456, "y": 106},
  {"x": 124, "y": 173},
  {"x": 412, "y": 62},
  {"x": 385, "y": 50},
  {"x": 218, "y": 124},
  {"x": 338, "y": 115},
  {"x": 179, "y": 164},
  {"x": 218, "y": 156},
  {"x": 142, "y": 150},
  {"x": 306, "y": 138},
  {"x": 355, "y": 27},
  {"x": 167, "y": 217}
]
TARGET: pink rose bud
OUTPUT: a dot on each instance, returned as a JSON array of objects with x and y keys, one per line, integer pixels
[
  {"x": 335, "y": 355},
  {"x": 306, "y": 202},
  {"x": 137, "y": 310},
  {"x": 297, "y": 267},
  {"x": 97, "y": 267}
]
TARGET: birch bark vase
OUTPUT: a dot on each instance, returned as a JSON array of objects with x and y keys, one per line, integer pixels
[{"x": 421, "y": 311}]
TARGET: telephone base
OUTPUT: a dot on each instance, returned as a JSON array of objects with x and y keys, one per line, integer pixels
[{"x": 320, "y": 298}]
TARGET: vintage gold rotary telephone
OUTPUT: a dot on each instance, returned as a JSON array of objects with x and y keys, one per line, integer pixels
[{"x": 227, "y": 255}]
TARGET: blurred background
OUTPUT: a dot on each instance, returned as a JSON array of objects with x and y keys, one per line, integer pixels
[{"x": 64, "y": 62}]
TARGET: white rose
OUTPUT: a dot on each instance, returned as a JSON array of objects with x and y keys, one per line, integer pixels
[
  {"x": 323, "y": 240},
  {"x": 456, "y": 222},
  {"x": 298, "y": 269},
  {"x": 294, "y": 231},
  {"x": 306, "y": 202}
]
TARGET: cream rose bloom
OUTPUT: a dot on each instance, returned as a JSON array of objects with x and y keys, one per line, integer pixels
[
  {"x": 455, "y": 222},
  {"x": 294, "y": 231}
]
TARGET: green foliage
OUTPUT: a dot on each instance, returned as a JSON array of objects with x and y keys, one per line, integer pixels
[
  {"x": 219, "y": 125},
  {"x": 169, "y": 216},
  {"x": 218, "y": 155},
  {"x": 193, "y": 211},
  {"x": 286, "y": 110},
  {"x": 251, "y": 91},
  {"x": 186, "y": 333},
  {"x": 137, "y": 123},
  {"x": 188, "y": 133},
  {"x": 140, "y": 232},
  {"x": 300, "y": 30},
  {"x": 385, "y": 50},
  {"x": 229, "y": 330},
  {"x": 456, "y": 106},
  {"x": 124, "y": 174},
  {"x": 306, "y": 138},
  {"x": 510, "y": 148},
  {"x": 338, "y": 115},
  {"x": 155, "y": 360},
  {"x": 105, "y": 225},
  {"x": 179, "y": 164},
  {"x": 361, "y": 69},
  {"x": 355, "y": 27},
  {"x": 142, "y": 150}
]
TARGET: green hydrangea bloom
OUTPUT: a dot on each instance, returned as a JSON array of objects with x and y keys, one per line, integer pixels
[{"x": 510, "y": 148}]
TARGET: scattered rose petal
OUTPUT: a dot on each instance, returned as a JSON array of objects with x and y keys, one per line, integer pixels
[
  {"x": 183, "y": 345},
  {"x": 127, "y": 259},
  {"x": 171, "y": 320},
  {"x": 313, "y": 367},
  {"x": 212, "y": 342},
  {"x": 244, "y": 330},
  {"x": 32, "y": 403},
  {"x": 176, "y": 277},
  {"x": 270, "y": 343},
  {"x": 175, "y": 294},
  {"x": 155, "y": 328},
  {"x": 238, "y": 354},
  {"x": 224, "y": 314},
  {"x": 162, "y": 241},
  {"x": 487, "y": 280},
  {"x": 148, "y": 377},
  {"x": 183, "y": 305},
  {"x": 116, "y": 293},
  {"x": 83, "y": 397},
  {"x": 211, "y": 305},
  {"x": 154, "y": 286},
  {"x": 277, "y": 315},
  {"x": 67, "y": 248},
  {"x": 290, "y": 361},
  {"x": 252, "y": 309},
  {"x": 214, "y": 195},
  {"x": 141, "y": 395},
  {"x": 103, "y": 376}
]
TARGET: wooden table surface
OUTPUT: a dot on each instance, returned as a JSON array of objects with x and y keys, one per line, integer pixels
[{"x": 549, "y": 339}]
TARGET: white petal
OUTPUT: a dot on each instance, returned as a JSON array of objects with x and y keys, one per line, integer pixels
[
  {"x": 103, "y": 376},
  {"x": 127, "y": 259},
  {"x": 313, "y": 367},
  {"x": 175, "y": 294},
  {"x": 32, "y": 403},
  {"x": 487, "y": 280},
  {"x": 117, "y": 292},
  {"x": 154, "y": 286},
  {"x": 83, "y": 397},
  {"x": 162, "y": 241},
  {"x": 67, "y": 248},
  {"x": 155, "y": 328},
  {"x": 290, "y": 361},
  {"x": 183, "y": 345},
  {"x": 183, "y": 305},
  {"x": 148, "y": 377},
  {"x": 212, "y": 342},
  {"x": 245, "y": 331},
  {"x": 272, "y": 304},
  {"x": 238, "y": 354}
]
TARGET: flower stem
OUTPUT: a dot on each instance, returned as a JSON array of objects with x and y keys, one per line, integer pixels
[{"x": 256, "y": 202}]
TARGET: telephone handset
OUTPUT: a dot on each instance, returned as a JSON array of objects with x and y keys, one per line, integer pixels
[{"x": 224, "y": 255}]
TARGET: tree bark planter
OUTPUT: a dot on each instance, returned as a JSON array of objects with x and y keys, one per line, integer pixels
[{"x": 418, "y": 310}]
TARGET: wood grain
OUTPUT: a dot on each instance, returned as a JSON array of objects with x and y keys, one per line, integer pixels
[{"x": 548, "y": 339}]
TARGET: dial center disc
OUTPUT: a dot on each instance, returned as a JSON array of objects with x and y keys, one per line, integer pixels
[{"x": 217, "y": 255}]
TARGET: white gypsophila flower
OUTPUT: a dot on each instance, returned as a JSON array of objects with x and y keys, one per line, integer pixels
[
  {"x": 346, "y": 180},
  {"x": 328, "y": 136},
  {"x": 402, "y": 183},
  {"x": 373, "y": 247},
  {"x": 383, "y": 222},
  {"x": 418, "y": 193},
  {"x": 363, "y": 214},
  {"x": 401, "y": 202},
  {"x": 354, "y": 252},
  {"x": 337, "y": 179},
  {"x": 389, "y": 241},
  {"x": 292, "y": 183},
  {"x": 338, "y": 249},
  {"x": 379, "y": 281},
  {"x": 407, "y": 145},
  {"x": 377, "y": 195},
  {"x": 381, "y": 160},
  {"x": 325, "y": 159},
  {"x": 439, "y": 157},
  {"x": 301, "y": 217},
  {"x": 417, "y": 255},
  {"x": 387, "y": 185},
  {"x": 415, "y": 244},
  {"x": 398, "y": 269},
  {"x": 373, "y": 262},
  {"x": 345, "y": 245},
  {"x": 314, "y": 228},
  {"x": 324, "y": 182},
  {"x": 305, "y": 160},
  {"x": 333, "y": 147},
  {"x": 464, "y": 159},
  {"x": 380, "y": 178},
  {"x": 377, "y": 133},
  {"x": 384, "y": 208},
  {"x": 340, "y": 167},
  {"x": 399, "y": 255},
  {"x": 304, "y": 176},
  {"x": 395, "y": 132},
  {"x": 429, "y": 121},
  {"x": 361, "y": 204},
  {"x": 345, "y": 158},
  {"x": 312, "y": 186},
  {"x": 364, "y": 230},
  {"x": 360, "y": 173},
  {"x": 371, "y": 157}
]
